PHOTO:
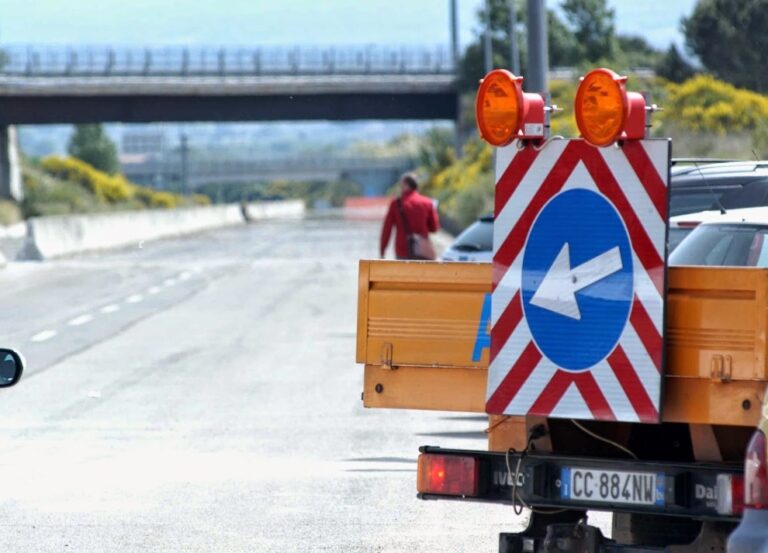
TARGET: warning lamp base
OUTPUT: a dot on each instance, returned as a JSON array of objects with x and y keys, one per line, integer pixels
[
  {"x": 533, "y": 126},
  {"x": 636, "y": 118}
]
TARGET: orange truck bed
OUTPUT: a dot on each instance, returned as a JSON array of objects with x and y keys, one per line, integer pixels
[{"x": 421, "y": 341}]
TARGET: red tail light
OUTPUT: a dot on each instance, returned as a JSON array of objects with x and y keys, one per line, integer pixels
[
  {"x": 448, "y": 474},
  {"x": 756, "y": 473}
]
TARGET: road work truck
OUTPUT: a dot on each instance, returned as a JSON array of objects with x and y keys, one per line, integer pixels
[{"x": 611, "y": 382}]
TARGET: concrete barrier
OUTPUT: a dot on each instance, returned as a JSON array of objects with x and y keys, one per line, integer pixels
[{"x": 49, "y": 237}]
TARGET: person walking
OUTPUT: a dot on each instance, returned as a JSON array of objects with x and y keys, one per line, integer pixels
[{"x": 414, "y": 216}]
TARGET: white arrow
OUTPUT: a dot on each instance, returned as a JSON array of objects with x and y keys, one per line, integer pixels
[{"x": 557, "y": 292}]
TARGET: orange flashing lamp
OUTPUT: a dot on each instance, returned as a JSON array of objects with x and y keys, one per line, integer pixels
[
  {"x": 504, "y": 112},
  {"x": 606, "y": 112}
]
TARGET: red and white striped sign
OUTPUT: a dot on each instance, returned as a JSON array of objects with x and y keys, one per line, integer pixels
[{"x": 528, "y": 374}]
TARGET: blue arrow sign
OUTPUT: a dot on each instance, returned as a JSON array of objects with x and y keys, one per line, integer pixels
[{"x": 577, "y": 279}]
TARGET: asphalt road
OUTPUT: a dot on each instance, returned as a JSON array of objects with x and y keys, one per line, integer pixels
[{"x": 201, "y": 394}]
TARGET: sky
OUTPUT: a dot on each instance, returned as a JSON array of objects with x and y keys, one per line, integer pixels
[{"x": 283, "y": 22}]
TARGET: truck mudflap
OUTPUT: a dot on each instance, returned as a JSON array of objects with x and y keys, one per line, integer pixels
[{"x": 703, "y": 491}]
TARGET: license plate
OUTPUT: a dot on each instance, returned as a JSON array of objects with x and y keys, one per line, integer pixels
[{"x": 612, "y": 486}]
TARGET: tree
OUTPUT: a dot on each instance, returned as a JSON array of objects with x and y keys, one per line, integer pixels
[
  {"x": 730, "y": 40},
  {"x": 674, "y": 67},
  {"x": 90, "y": 144},
  {"x": 564, "y": 49},
  {"x": 436, "y": 150},
  {"x": 592, "y": 22}
]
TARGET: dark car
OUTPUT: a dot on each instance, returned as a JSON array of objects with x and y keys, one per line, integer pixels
[
  {"x": 700, "y": 185},
  {"x": 702, "y": 191}
]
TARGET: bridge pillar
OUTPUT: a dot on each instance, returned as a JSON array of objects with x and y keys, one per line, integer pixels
[{"x": 10, "y": 165}]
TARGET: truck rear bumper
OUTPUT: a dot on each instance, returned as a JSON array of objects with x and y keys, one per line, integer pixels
[{"x": 558, "y": 482}]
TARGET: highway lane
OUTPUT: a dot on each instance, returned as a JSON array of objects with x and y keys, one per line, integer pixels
[{"x": 201, "y": 394}]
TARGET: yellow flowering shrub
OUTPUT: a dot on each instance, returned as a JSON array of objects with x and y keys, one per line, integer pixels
[
  {"x": 704, "y": 104},
  {"x": 107, "y": 188},
  {"x": 114, "y": 189}
]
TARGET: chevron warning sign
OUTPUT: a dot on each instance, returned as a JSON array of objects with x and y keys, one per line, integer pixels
[{"x": 577, "y": 308}]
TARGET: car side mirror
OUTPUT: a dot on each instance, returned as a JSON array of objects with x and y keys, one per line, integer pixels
[{"x": 11, "y": 367}]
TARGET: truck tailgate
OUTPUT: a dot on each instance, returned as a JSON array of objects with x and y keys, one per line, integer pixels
[{"x": 422, "y": 334}]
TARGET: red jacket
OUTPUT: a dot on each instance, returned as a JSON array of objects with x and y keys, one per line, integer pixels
[{"x": 422, "y": 219}]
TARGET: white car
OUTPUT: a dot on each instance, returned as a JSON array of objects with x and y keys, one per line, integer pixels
[
  {"x": 681, "y": 226},
  {"x": 474, "y": 244},
  {"x": 720, "y": 234}
]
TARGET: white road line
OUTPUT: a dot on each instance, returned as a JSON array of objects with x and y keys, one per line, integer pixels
[
  {"x": 136, "y": 298},
  {"x": 153, "y": 290},
  {"x": 169, "y": 282},
  {"x": 43, "y": 336},
  {"x": 81, "y": 320},
  {"x": 185, "y": 275},
  {"x": 110, "y": 308}
]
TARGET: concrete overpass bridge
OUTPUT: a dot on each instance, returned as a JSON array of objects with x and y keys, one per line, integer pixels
[
  {"x": 374, "y": 174},
  {"x": 43, "y": 85},
  {"x": 40, "y": 85}
]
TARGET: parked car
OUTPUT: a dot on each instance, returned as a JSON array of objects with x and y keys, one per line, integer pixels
[
  {"x": 736, "y": 238},
  {"x": 474, "y": 244},
  {"x": 700, "y": 185},
  {"x": 681, "y": 226},
  {"x": 704, "y": 192}
]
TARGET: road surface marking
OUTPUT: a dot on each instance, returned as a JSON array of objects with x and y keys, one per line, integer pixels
[
  {"x": 43, "y": 336},
  {"x": 169, "y": 281},
  {"x": 110, "y": 308},
  {"x": 136, "y": 298},
  {"x": 81, "y": 320},
  {"x": 185, "y": 275},
  {"x": 153, "y": 290}
]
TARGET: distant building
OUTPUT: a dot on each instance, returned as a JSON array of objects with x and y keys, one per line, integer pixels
[{"x": 147, "y": 142}]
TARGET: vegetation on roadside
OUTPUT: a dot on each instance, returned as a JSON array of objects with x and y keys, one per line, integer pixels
[
  {"x": 10, "y": 212},
  {"x": 58, "y": 186},
  {"x": 91, "y": 144}
]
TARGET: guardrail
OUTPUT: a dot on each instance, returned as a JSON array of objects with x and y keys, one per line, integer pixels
[{"x": 52, "y": 61}]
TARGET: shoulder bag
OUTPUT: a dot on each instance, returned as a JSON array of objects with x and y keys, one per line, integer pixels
[{"x": 419, "y": 247}]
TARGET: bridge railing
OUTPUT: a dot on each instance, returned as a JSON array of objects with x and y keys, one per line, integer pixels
[
  {"x": 237, "y": 166},
  {"x": 49, "y": 61}
]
